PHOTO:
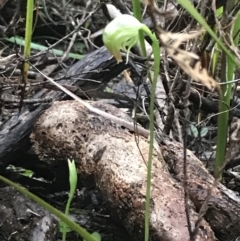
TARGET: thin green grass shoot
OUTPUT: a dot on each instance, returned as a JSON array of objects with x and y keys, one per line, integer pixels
[
  {"x": 73, "y": 184},
  {"x": 28, "y": 36},
  {"x": 20, "y": 41}
]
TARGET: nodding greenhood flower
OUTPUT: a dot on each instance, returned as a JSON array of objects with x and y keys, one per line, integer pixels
[{"x": 122, "y": 34}]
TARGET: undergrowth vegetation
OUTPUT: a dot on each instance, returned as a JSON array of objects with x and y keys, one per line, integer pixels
[{"x": 210, "y": 71}]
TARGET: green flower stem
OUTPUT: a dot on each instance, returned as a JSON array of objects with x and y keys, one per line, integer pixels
[
  {"x": 156, "y": 52},
  {"x": 138, "y": 15}
]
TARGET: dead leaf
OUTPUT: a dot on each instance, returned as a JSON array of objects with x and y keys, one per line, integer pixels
[{"x": 184, "y": 59}]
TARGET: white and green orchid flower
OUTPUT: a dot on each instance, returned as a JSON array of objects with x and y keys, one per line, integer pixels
[{"x": 122, "y": 33}]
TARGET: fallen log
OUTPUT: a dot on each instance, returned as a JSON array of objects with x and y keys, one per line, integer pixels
[{"x": 110, "y": 154}]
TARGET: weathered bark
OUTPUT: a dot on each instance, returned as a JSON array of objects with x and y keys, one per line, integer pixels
[{"x": 110, "y": 153}]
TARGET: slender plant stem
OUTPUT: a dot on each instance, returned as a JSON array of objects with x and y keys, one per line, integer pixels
[
  {"x": 28, "y": 34},
  {"x": 156, "y": 52},
  {"x": 151, "y": 145},
  {"x": 138, "y": 15}
]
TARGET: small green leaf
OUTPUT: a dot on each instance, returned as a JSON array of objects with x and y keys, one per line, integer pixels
[
  {"x": 192, "y": 130},
  {"x": 27, "y": 173},
  {"x": 204, "y": 131},
  {"x": 96, "y": 236},
  {"x": 64, "y": 228},
  {"x": 72, "y": 177}
]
